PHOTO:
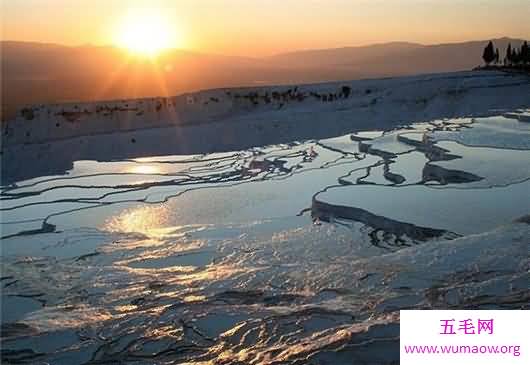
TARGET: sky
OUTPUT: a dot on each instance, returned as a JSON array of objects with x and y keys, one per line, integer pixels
[{"x": 265, "y": 27}]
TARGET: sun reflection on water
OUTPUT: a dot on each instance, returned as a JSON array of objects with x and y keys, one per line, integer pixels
[
  {"x": 144, "y": 169},
  {"x": 151, "y": 221}
]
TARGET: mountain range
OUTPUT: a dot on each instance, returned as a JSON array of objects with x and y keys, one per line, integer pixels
[{"x": 37, "y": 73}]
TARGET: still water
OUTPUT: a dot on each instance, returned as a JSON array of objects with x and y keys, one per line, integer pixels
[{"x": 295, "y": 252}]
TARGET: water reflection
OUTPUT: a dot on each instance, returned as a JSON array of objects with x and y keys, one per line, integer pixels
[
  {"x": 265, "y": 182},
  {"x": 192, "y": 259},
  {"x": 148, "y": 220},
  {"x": 144, "y": 170}
]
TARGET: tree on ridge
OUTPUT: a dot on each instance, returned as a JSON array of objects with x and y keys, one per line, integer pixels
[
  {"x": 489, "y": 54},
  {"x": 508, "y": 58}
]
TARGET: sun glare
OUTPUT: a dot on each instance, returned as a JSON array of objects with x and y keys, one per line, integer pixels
[
  {"x": 144, "y": 170},
  {"x": 147, "y": 33}
]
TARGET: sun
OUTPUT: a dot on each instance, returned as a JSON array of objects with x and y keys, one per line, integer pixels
[{"x": 147, "y": 33}]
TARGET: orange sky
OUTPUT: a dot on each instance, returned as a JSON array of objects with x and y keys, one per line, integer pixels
[{"x": 265, "y": 27}]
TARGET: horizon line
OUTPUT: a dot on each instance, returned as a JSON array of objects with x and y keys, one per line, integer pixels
[{"x": 296, "y": 50}]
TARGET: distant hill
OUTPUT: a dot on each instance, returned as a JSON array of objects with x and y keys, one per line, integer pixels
[
  {"x": 397, "y": 58},
  {"x": 343, "y": 57},
  {"x": 35, "y": 73}
]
